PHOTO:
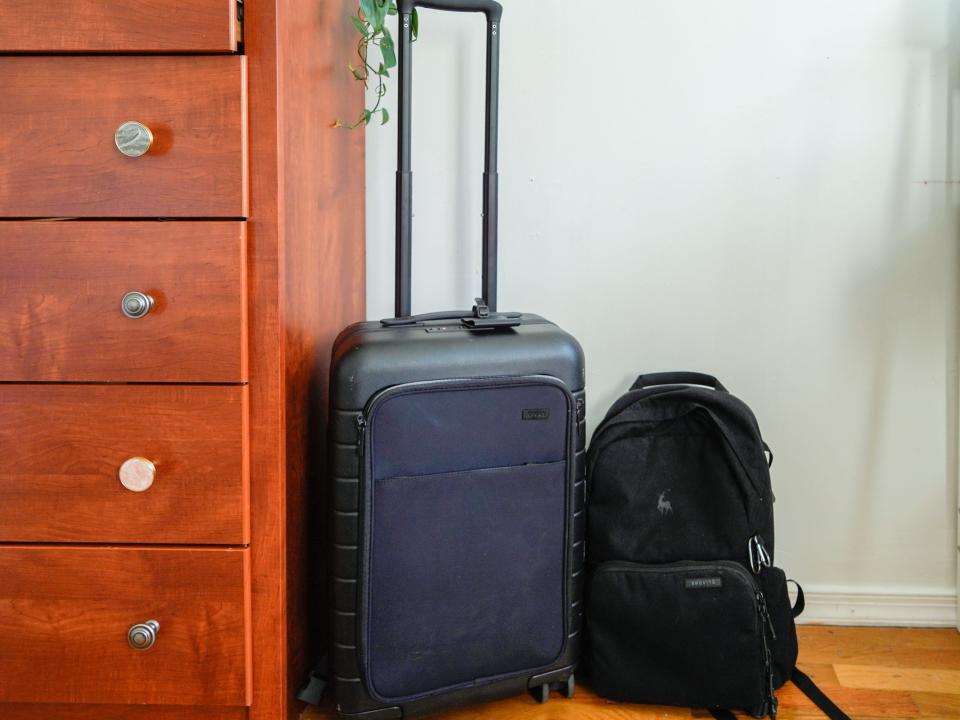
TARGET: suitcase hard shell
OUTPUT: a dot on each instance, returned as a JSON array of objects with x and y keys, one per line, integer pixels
[
  {"x": 458, "y": 514},
  {"x": 457, "y": 459}
]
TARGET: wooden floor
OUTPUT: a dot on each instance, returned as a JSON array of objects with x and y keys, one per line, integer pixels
[{"x": 869, "y": 672}]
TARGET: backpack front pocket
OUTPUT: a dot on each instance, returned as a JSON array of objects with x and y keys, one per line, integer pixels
[{"x": 686, "y": 633}]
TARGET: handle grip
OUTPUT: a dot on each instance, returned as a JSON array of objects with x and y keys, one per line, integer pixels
[
  {"x": 677, "y": 378},
  {"x": 466, "y": 317},
  {"x": 491, "y": 9}
]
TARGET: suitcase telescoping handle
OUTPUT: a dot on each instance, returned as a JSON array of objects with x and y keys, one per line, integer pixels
[{"x": 493, "y": 11}]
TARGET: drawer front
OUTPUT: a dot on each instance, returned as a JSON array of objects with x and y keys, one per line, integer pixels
[
  {"x": 118, "y": 26},
  {"x": 60, "y": 117},
  {"x": 66, "y": 614},
  {"x": 65, "y": 476},
  {"x": 27, "y": 711},
  {"x": 62, "y": 285}
]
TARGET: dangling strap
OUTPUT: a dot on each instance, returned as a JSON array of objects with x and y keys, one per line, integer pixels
[
  {"x": 800, "y": 604},
  {"x": 809, "y": 688},
  {"x": 317, "y": 681},
  {"x": 803, "y": 682}
]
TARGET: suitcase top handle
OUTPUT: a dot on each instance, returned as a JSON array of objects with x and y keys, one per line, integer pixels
[{"x": 404, "y": 228}]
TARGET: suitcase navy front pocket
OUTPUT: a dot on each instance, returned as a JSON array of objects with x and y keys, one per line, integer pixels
[{"x": 466, "y": 488}]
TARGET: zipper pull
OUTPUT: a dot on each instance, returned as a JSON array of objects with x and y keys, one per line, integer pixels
[
  {"x": 361, "y": 431},
  {"x": 764, "y": 613}
]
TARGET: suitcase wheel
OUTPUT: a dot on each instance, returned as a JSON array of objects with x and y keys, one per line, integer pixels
[
  {"x": 569, "y": 687},
  {"x": 541, "y": 693}
]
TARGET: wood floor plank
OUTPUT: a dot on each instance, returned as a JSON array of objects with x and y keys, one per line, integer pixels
[
  {"x": 872, "y": 703},
  {"x": 873, "y": 677},
  {"x": 937, "y": 705},
  {"x": 891, "y": 647}
]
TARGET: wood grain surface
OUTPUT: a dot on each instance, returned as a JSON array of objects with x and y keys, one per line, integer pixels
[
  {"x": 305, "y": 235},
  {"x": 118, "y": 26},
  {"x": 61, "y": 284},
  {"x": 323, "y": 227},
  {"x": 59, "y": 115},
  {"x": 62, "y": 447},
  {"x": 899, "y": 673},
  {"x": 65, "y": 612},
  {"x": 21, "y": 711}
]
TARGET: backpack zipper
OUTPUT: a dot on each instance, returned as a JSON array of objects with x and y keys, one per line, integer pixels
[{"x": 765, "y": 622}]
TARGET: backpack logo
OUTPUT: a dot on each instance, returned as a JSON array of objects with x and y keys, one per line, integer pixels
[
  {"x": 702, "y": 583},
  {"x": 664, "y": 506},
  {"x": 536, "y": 414}
]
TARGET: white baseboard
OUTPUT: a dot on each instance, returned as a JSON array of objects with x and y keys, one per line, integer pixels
[{"x": 880, "y": 609}]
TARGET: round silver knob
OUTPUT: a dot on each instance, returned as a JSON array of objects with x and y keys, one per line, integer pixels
[
  {"x": 136, "y": 304},
  {"x": 142, "y": 636},
  {"x": 133, "y": 139},
  {"x": 137, "y": 474}
]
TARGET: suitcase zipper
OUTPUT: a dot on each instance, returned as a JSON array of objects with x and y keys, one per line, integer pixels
[{"x": 361, "y": 431}]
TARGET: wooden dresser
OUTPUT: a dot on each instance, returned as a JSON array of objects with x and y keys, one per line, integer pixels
[{"x": 181, "y": 237}]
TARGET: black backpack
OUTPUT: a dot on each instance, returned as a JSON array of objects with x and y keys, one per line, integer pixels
[{"x": 684, "y": 605}]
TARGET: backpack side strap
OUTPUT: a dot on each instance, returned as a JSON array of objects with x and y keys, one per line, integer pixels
[{"x": 809, "y": 688}]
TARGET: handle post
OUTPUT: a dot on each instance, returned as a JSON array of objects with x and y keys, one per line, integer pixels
[
  {"x": 490, "y": 177},
  {"x": 404, "y": 220},
  {"x": 404, "y": 210}
]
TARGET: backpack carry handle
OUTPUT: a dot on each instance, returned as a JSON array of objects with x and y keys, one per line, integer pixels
[
  {"x": 677, "y": 378},
  {"x": 404, "y": 220}
]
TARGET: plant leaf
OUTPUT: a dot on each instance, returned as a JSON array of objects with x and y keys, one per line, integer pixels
[
  {"x": 366, "y": 117},
  {"x": 386, "y": 48},
  {"x": 379, "y": 14},
  {"x": 356, "y": 73},
  {"x": 414, "y": 24},
  {"x": 385, "y": 116},
  {"x": 368, "y": 7},
  {"x": 360, "y": 25}
]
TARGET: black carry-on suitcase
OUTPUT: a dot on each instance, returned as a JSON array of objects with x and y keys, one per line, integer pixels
[{"x": 458, "y": 468}]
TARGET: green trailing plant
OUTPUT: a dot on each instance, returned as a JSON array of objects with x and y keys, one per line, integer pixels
[{"x": 370, "y": 22}]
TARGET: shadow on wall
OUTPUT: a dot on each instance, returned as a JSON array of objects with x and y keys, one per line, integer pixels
[{"x": 918, "y": 267}]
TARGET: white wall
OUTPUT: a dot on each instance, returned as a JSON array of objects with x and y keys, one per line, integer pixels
[{"x": 753, "y": 188}]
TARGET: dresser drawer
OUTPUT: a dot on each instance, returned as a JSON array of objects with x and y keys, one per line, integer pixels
[
  {"x": 66, "y": 615},
  {"x": 61, "y": 121},
  {"x": 65, "y": 475},
  {"x": 62, "y": 285},
  {"x": 118, "y": 26}
]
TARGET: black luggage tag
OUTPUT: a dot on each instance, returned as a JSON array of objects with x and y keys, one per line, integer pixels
[
  {"x": 504, "y": 320},
  {"x": 483, "y": 319}
]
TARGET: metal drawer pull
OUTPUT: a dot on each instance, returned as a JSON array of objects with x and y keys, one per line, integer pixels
[
  {"x": 136, "y": 304},
  {"x": 142, "y": 636},
  {"x": 137, "y": 474},
  {"x": 133, "y": 139}
]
